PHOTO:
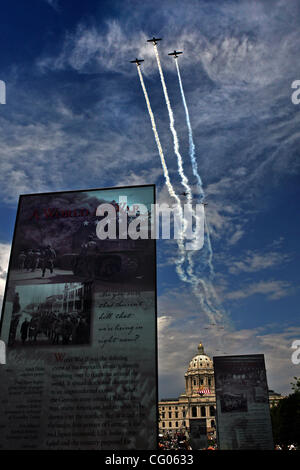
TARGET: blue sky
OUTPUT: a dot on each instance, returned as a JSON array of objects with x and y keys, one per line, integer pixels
[{"x": 76, "y": 118}]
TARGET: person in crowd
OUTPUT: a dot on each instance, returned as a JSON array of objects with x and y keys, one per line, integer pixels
[
  {"x": 24, "y": 330},
  {"x": 31, "y": 329},
  {"x": 66, "y": 330},
  {"x": 81, "y": 333},
  {"x": 36, "y": 255},
  {"x": 49, "y": 256}
]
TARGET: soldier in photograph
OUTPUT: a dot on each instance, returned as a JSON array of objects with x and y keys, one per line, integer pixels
[
  {"x": 49, "y": 256},
  {"x": 36, "y": 255},
  {"x": 56, "y": 331},
  {"x": 24, "y": 330},
  {"x": 32, "y": 329},
  {"x": 66, "y": 330},
  {"x": 15, "y": 319}
]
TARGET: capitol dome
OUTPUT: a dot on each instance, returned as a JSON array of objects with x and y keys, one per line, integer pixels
[
  {"x": 199, "y": 377},
  {"x": 197, "y": 403},
  {"x": 200, "y": 361}
]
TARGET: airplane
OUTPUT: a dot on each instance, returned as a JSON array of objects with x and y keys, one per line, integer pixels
[
  {"x": 175, "y": 54},
  {"x": 137, "y": 61},
  {"x": 154, "y": 40}
]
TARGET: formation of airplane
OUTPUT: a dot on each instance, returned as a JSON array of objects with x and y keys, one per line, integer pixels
[
  {"x": 154, "y": 40},
  {"x": 175, "y": 54},
  {"x": 137, "y": 61}
]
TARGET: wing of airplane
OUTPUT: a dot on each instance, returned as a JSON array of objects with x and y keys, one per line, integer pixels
[
  {"x": 175, "y": 53},
  {"x": 137, "y": 61},
  {"x": 154, "y": 40}
]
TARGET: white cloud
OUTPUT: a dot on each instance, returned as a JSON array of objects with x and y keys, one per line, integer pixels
[
  {"x": 90, "y": 49},
  {"x": 227, "y": 219},
  {"x": 238, "y": 234},
  {"x": 241, "y": 52},
  {"x": 272, "y": 289},
  {"x": 253, "y": 261},
  {"x": 182, "y": 325},
  {"x": 178, "y": 344},
  {"x": 53, "y": 155},
  {"x": 237, "y": 52}
]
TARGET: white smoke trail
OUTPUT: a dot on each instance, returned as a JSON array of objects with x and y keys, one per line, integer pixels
[
  {"x": 195, "y": 165},
  {"x": 166, "y": 175},
  {"x": 161, "y": 154},
  {"x": 184, "y": 179},
  {"x": 191, "y": 140},
  {"x": 182, "y": 252},
  {"x": 208, "y": 289}
]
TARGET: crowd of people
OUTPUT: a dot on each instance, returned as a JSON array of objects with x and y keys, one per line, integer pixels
[
  {"x": 179, "y": 441},
  {"x": 53, "y": 328},
  {"x": 288, "y": 447},
  {"x": 59, "y": 329},
  {"x": 33, "y": 259}
]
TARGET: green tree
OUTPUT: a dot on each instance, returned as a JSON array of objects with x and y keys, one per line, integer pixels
[
  {"x": 286, "y": 417},
  {"x": 296, "y": 386}
]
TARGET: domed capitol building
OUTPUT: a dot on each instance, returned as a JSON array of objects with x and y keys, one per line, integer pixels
[{"x": 198, "y": 401}]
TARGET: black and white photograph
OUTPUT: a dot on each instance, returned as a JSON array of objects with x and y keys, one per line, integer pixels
[
  {"x": 56, "y": 240},
  {"x": 233, "y": 402},
  {"x": 51, "y": 315}
]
